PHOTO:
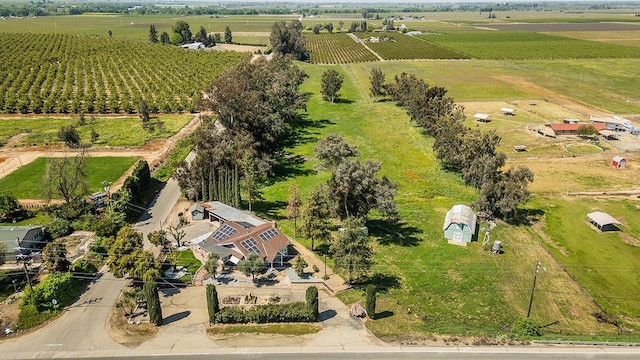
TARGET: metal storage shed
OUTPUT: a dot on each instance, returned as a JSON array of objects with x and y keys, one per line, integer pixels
[
  {"x": 603, "y": 221},
  {"x": 460, "y": 224}
]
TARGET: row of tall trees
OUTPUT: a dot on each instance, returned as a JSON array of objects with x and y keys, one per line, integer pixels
[
  {"x": 470, "y": 152},
  {"x": 256, "y": 104},
  {"x": 181, "y": 34}
]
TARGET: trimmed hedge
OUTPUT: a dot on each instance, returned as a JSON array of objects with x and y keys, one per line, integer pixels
[{"x": 259, "y": 314}]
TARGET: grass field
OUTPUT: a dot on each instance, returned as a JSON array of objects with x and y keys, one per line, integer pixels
[
  {"x": 29, "y": 181},
  {"x": 428, "y": 286},
  {"x": 519, "y": 45},
  {"x": 606, "y": 264},
  {"x": 113, "y": 131},
  {"x": 627, "y": 38}
]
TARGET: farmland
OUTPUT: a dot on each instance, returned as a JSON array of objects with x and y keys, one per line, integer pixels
[
  {"x": 520, "y": 45},
  {"x": 397, "y": 46},
  {"x": 112, "y": 131},
  {"x": 426, "y": 285},
  {"x": 73, "y": 74},
  {"x": 29, "y": 181},
  {"x": 336, "y": 49}
]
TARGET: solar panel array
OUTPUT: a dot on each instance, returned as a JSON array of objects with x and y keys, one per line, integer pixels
[
  {"x": 224, "y": 232},
  {"x": 251, "y": 245},
  {"x": 268, "y": 234}
]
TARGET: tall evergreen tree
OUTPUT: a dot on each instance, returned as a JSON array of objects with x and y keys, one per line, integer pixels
[
  {"x": 370, "y": 305},
  {"x": 352, "y": 252},
  {"x": 312, "y": 303},
  {"x": 376, "y": 79},
  {"x": 315, "y": 223},
  {"x": 153, "y": 302},
  {"x": 293, "y": 207},
  {"x": 164, "y": 38},
  {"x": 153, "y": 34},
  {"x": 213, "y": 307},
  {"x": 228, "y": 36}
]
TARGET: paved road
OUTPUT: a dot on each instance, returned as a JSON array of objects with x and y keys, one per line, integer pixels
[{"x": 80, "y": 329}]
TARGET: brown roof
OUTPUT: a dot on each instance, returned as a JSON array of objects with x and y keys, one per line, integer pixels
[
  {"x": 266, "y": 249},
  {"x": 575, "y": 126}
]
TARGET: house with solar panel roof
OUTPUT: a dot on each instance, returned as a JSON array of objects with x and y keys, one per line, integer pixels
[{"x": 240, "y": 234}]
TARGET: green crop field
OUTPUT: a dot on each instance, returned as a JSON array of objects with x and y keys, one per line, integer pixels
[
  {"x": 113, "y": 131},
  {"x": 65, "y": 73},
  {"x": 336, "y": 49},
  {"x": 29, "y": 181},
  {"x": 396, "y": 46},
  {"x": 518, "y": 45},
  {"x": 136, "y": 27}
]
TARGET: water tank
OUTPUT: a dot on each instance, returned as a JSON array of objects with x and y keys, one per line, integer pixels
[{"x": 497, "y": 246}]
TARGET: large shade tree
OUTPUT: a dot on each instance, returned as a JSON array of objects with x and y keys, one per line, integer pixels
[
  {"x": 287, "y": 39},
  {"x": 67, "y": 178}
]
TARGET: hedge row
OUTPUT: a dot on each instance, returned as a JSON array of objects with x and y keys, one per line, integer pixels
[{"x": 259, "y": 314}]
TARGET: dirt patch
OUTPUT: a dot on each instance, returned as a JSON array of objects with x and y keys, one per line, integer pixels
[
  {"x": 553, "y": 97},
  {"x": 126, "y": 334},
  {"x": 629, "y": 240},
  {"x": 9, "y": 313},
  {"x": 444, "y": 340}
]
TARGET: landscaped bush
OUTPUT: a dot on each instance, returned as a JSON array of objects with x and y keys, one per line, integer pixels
[
  {"x": 61, "y": 287},
  {"x": 312, "y": 303},
  {"x": 83, "y": 266},
  {"x": 294, "y": 312},
  {"x": 58, "y": 228}
]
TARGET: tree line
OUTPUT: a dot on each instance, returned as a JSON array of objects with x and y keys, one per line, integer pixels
[{"x": 470, "y": 152}]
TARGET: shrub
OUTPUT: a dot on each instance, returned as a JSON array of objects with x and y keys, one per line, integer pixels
[
  {"x": 84, "y": 222},
  {"x": 526, "y": 327},
  {"x": 315, "y": 268},
  {"x": 30, "y": 317},
  {"x": 84, "y": 267},
  {"x": 371, "y": 300},
  {"x": 59, "y": 286},
  {"x": 312, "y": 303},
  {"x": 58, "y": 228},
  {"x": 294, "y": 312}
]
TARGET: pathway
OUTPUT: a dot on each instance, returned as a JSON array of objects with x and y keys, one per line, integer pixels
[{"x": 356, "y": 39}]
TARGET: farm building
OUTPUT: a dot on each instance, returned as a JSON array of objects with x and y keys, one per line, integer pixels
[
  {"x": 619, "y": 162},
  {"x": 603, "y": 221},
  {"x": 572, "y": 129},
  {"x": 571, "y": 121},
  {"x": 219, "y": 212},
  {"x": 508, "y": 111},
  {"x": 460, "y": 225},
  {"x": 482, "y": 117},
  {"x": 610, "y": 134},
  {"x": 614, "y": 123},
  {"x": 193, "y": 46}
]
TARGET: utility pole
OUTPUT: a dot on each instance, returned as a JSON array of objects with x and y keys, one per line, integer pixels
[
  {"x": 24, "y": 262},
  {"x": 533, "y": 288}
]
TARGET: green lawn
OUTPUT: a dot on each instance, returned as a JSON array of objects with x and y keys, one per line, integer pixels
[
  {"x": 113, "y": 131},
  {"x": 186, "y": 259},
  {"x": 28, "y": 182}
]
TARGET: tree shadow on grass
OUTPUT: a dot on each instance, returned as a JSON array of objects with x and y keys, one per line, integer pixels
[
  {"x": 383, "y": 282},
  {"x": 288, "y": 166},
  {"x": 343, "y": 101},
  {"x": 382, "y": 315},
  {"x": 175, "y": 317},
  {"x": 526, "y": 217},
  {"x": 302, "y": 132},
  {"x": 394, "y": 233},
  {"x": 269, "y": 209}
]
